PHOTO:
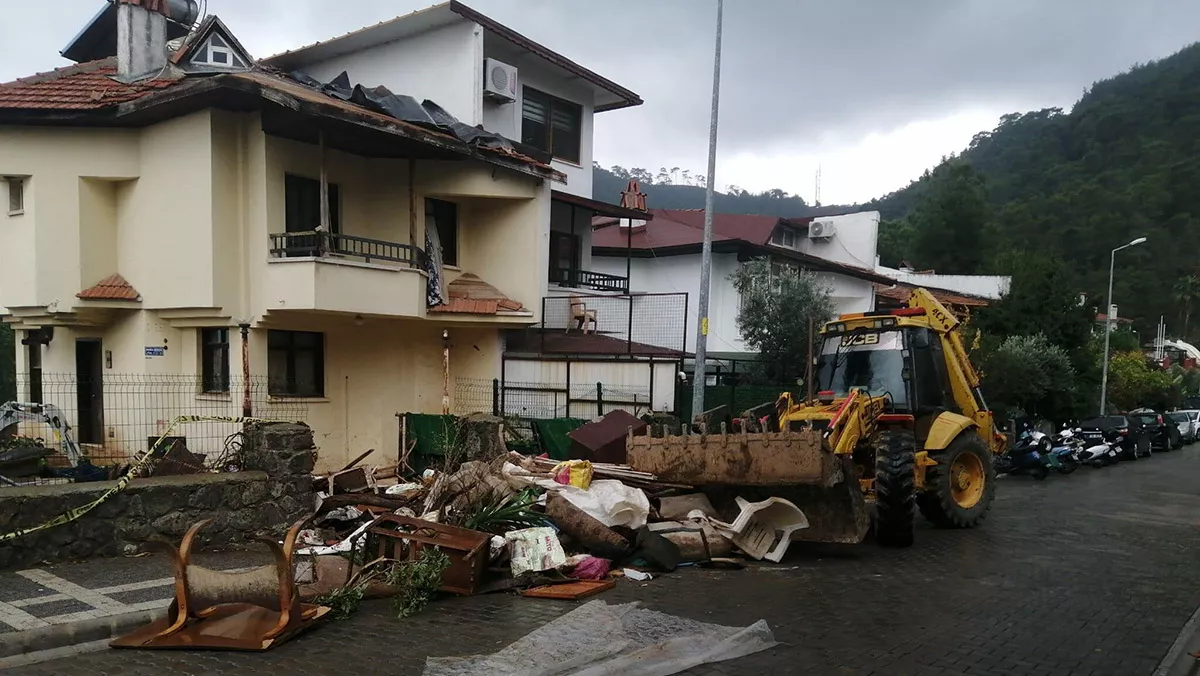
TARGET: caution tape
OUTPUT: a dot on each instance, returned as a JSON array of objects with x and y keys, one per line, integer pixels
[{"x": 144, "y": 465}]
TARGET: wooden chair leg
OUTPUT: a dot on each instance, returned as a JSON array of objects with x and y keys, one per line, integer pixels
[
  {"x": 180, "y": 609},
  {"x": 289, "y": 599}
]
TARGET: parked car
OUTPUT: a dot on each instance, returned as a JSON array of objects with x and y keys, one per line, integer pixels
[
  {"x": 1163, "y": 435},
  {"x": 1131, "y": 437},
  {"x": 1183, "y": 423},
  {"x": 1193, "y": 417}
]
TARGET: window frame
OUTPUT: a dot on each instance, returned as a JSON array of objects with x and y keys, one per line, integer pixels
[
  {"x": 553, "y": 104},
  {"x": 436, "y": 208},
  {"x": 294, "y": 180},
  {"x": 287, "y": 380},
  {"x": 211, "y": 350},
  {"x": 16, "y": 195},
  {"x": 575, "y": 243}
]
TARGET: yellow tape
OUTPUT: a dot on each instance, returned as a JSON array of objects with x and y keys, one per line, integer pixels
[{"x": 144, "y": 465}]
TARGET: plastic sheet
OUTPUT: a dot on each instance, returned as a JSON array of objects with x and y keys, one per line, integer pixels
[
  {"x": 534, "y": 550},
  {"x": 597, "y": 639}
]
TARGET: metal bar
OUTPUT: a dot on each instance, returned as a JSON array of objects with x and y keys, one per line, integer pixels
[
  {"x": 496, "y": 395},
  {"x": 445, "y": 372},
  {"x": 247, "y": 408},
  {"x": 600, "y": 399},
  {"x": 706, "y": 250},
  {"x": 629, "y": 330},
  {"x": 568, "y": 411}
]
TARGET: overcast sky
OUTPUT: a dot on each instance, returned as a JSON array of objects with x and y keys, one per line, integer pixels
[{"x": 874, "y": 91}]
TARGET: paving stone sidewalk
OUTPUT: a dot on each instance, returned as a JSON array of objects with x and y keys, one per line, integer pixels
[{"x": 1091, "y": 574}]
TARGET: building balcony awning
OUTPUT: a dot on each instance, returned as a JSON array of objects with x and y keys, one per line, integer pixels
[{"x": 600, "y": 208}]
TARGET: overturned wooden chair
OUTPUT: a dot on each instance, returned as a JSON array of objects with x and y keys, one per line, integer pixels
[{"x": 250, "y": 610}]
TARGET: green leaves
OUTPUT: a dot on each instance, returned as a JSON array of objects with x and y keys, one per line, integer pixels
[
  {"x": 777, "y": 304},
  {"x": 1029, "y": 375}
]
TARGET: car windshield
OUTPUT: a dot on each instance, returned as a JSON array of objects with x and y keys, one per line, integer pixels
[
  {"x": 869, "y": 361},
  {"x": 1108, "y": 422},
  {"x": 1178, "y": 417}
]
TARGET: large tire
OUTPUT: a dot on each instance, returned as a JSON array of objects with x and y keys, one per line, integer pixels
[
  {"x": 895, "y": 488},
  {"x": 938, "y": 502}
]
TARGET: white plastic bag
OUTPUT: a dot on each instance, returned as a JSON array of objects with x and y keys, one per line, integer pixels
[
  {"x": 534, "y": 550},
  {"x": 610, "y": 502}
]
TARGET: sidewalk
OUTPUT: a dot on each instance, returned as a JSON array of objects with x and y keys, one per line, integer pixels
[{"x": 66, "y": 593}]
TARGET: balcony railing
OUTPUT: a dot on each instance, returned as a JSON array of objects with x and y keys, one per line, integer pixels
[
  {"x": 318, "y": 244},
  {"x": 586, "y": 279}
]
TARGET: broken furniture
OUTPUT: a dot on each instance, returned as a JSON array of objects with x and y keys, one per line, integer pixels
[
  {"x": 401, "y": 538},
  {"x": 255, "y": 609},
  {"x": 581, "y": 316},
  {"x": 604, "y": 440}
]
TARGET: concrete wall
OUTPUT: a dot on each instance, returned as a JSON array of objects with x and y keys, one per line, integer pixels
[
  {"x": 855, "y": 243},
  {"x": 275, "y": 490},
  {"x": 444, "y": 65}
]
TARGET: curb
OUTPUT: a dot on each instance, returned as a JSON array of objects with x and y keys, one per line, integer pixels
[{"x": 20, "y": 643}]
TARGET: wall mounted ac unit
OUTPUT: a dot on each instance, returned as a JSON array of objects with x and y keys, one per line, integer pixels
[
  {"x": 822, "y": 230},
  {"x": 499, "y": 81}
]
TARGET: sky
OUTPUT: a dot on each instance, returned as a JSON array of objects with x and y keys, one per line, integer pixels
[{"x": 873, "y": 92}]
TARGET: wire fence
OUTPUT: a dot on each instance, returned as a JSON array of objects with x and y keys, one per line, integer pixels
[
  {"x": 634, "y": 324},
  {"x": 118, "y": 416},
  {"x": 547, "y": 401}
]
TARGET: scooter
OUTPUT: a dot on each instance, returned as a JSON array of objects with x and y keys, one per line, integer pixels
[
  {"x": 1100, "y": 455},
  {"x": 1025, "y": 457},
  {"x": 1066, "y": 448}
]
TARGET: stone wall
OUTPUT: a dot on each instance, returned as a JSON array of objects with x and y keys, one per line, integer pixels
[{"x": 274, "y": 490}]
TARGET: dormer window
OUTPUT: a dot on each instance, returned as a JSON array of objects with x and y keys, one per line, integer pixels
[
  {"x": 786, "y": 237},
  {"x": 216, "y": 52}
]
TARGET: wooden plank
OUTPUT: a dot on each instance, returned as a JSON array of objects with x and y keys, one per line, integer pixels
[{"x": 570, "y": 591}]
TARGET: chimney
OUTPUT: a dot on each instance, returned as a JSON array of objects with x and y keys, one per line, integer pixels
[{"x": 142, "y": 34}]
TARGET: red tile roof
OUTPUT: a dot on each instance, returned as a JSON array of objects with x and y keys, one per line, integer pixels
[
  {"x": 471, "y": 295},
  {"x": 85, "y": 86},
  {"x": 112, "y": 287}
]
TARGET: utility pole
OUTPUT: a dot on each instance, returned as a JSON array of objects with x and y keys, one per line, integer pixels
[
  {"x": 699, "y": 372},
  {"x": 1108, "y": 322}
]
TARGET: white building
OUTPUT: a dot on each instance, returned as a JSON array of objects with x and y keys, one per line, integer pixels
[
  {"x": 663, "y": 256},
  {"x": 990, "y": 287}
]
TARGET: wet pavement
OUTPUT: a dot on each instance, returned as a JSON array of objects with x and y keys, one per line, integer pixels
[{"x": 1091, "y": 574}]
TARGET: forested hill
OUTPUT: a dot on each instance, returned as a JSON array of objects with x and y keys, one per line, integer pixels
[
  {"x": 681, "y": 190},
  {"x": 1123, "y": 163}
]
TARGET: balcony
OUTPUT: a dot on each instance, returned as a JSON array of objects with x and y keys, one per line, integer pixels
[
  {"x": 330, "y": 272},
  {"x": 586, "y": 279},
  {"x": 646, "y": 325}
]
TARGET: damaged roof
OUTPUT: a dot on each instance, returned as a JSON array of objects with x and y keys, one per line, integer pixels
[
  {"x": 471, "y": 295},
  {"x": 900, "y": 292},
  {"x": 88, "y": 94},
  {"x": 614, "y": 95}
]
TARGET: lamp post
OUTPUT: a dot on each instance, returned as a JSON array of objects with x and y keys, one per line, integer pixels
[{"x": 1112, "y": 263}]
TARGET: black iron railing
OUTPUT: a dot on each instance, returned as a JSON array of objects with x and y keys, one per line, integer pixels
[
  {"x": 586, "y": 279},
  {"x": 317, "y": 244}
]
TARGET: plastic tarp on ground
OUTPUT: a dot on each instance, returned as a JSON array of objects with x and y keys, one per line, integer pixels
[
  {"x": 553, "y": 434},
  {"x": 427, "y": 113},
  {"x": 597, "y": 639}
]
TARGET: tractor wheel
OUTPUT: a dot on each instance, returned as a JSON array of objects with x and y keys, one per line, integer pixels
[
  {"x": 895, "y": 462},
  {"x": 959, "y": 489}
]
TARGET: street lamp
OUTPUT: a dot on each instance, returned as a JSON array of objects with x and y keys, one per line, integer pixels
[{"x": 1112, "y": 262}]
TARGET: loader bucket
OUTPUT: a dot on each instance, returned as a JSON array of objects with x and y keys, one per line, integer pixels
[{"x": 795, "y": 465}]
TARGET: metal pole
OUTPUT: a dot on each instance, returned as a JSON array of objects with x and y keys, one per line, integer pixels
[
  {"x": 1112, "y": 263},
  {"x": 706, "y": 252},
  {"x": 445, "y": 372}
]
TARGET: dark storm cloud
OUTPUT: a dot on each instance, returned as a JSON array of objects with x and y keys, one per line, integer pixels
[{"x": 793, "y": 70}]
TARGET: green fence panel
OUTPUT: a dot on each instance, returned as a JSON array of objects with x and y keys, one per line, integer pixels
[{"x": 553, "y": 435}]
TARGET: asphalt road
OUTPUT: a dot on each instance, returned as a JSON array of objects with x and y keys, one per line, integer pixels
[{"x": 1091, "y": 574}]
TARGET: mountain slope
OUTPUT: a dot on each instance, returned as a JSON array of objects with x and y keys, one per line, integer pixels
[{"x": 1123, "y": 163}]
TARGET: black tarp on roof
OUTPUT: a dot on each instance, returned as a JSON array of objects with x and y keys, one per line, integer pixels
[{"x": 405, "y": 108}]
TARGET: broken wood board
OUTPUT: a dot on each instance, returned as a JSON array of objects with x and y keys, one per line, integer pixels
[{"x": 571, "y": 591}]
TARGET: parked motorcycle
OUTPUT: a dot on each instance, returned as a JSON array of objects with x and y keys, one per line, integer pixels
[
  {"x": 1101, "y": 454},
  {"x": 1026, "y": 456},
  {"x": 1065, "y": 451}
]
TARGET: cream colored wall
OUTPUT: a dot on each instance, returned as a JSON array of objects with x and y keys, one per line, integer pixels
[
  {"x": 165, "y": 218},
  {"x": 506, "y": 243},
  {"x": 40, "y": 263},
  {"x": 97, "y": 229}
]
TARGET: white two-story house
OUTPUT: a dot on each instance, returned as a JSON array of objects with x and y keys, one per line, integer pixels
[{"x": 184, "y": 221}]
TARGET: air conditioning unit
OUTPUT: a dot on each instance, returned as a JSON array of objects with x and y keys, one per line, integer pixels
[
  {"x": 500, "y": 81},
  {"x": 822, "y": 230}
]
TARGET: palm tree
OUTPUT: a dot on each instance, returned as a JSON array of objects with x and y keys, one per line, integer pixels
[{"x": 1187, "y": 289}]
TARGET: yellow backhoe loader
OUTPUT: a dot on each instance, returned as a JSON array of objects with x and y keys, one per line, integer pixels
[{"x": 893, "y": 419}]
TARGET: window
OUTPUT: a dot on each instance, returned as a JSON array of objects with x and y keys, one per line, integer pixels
[
  {"x": 295, "y": 364},
  {"x": 33, "y": 359},
  {"x": 443, "y": 216},
  {"x": 217, "y": 52},
  {"x": 303, "y": 204},
  {"x": 214, "y": 360},
  {"x": 564, "y": 257},
  {"x": 16, "y": 195},
  {"x": 785, "y": 237},
  {"x": 551, "y": 124}
]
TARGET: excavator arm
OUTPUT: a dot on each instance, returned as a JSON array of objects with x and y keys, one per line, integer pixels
[{"x": 964, "y": 379}]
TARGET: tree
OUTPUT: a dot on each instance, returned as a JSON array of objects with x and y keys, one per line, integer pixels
[
  {"x": 949, "y": 218},
  {"x": 1041, "y": 300},
  {"x": 1134, "y": 382},
  {"x": 1187, "y": 289},
  {"x": 895, "y": 239},
  {"x": 778, "y": 307},
  {"x": 1028, "y": 375}
]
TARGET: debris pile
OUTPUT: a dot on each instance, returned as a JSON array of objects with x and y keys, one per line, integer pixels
[{"x": 543, "y": 527}]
